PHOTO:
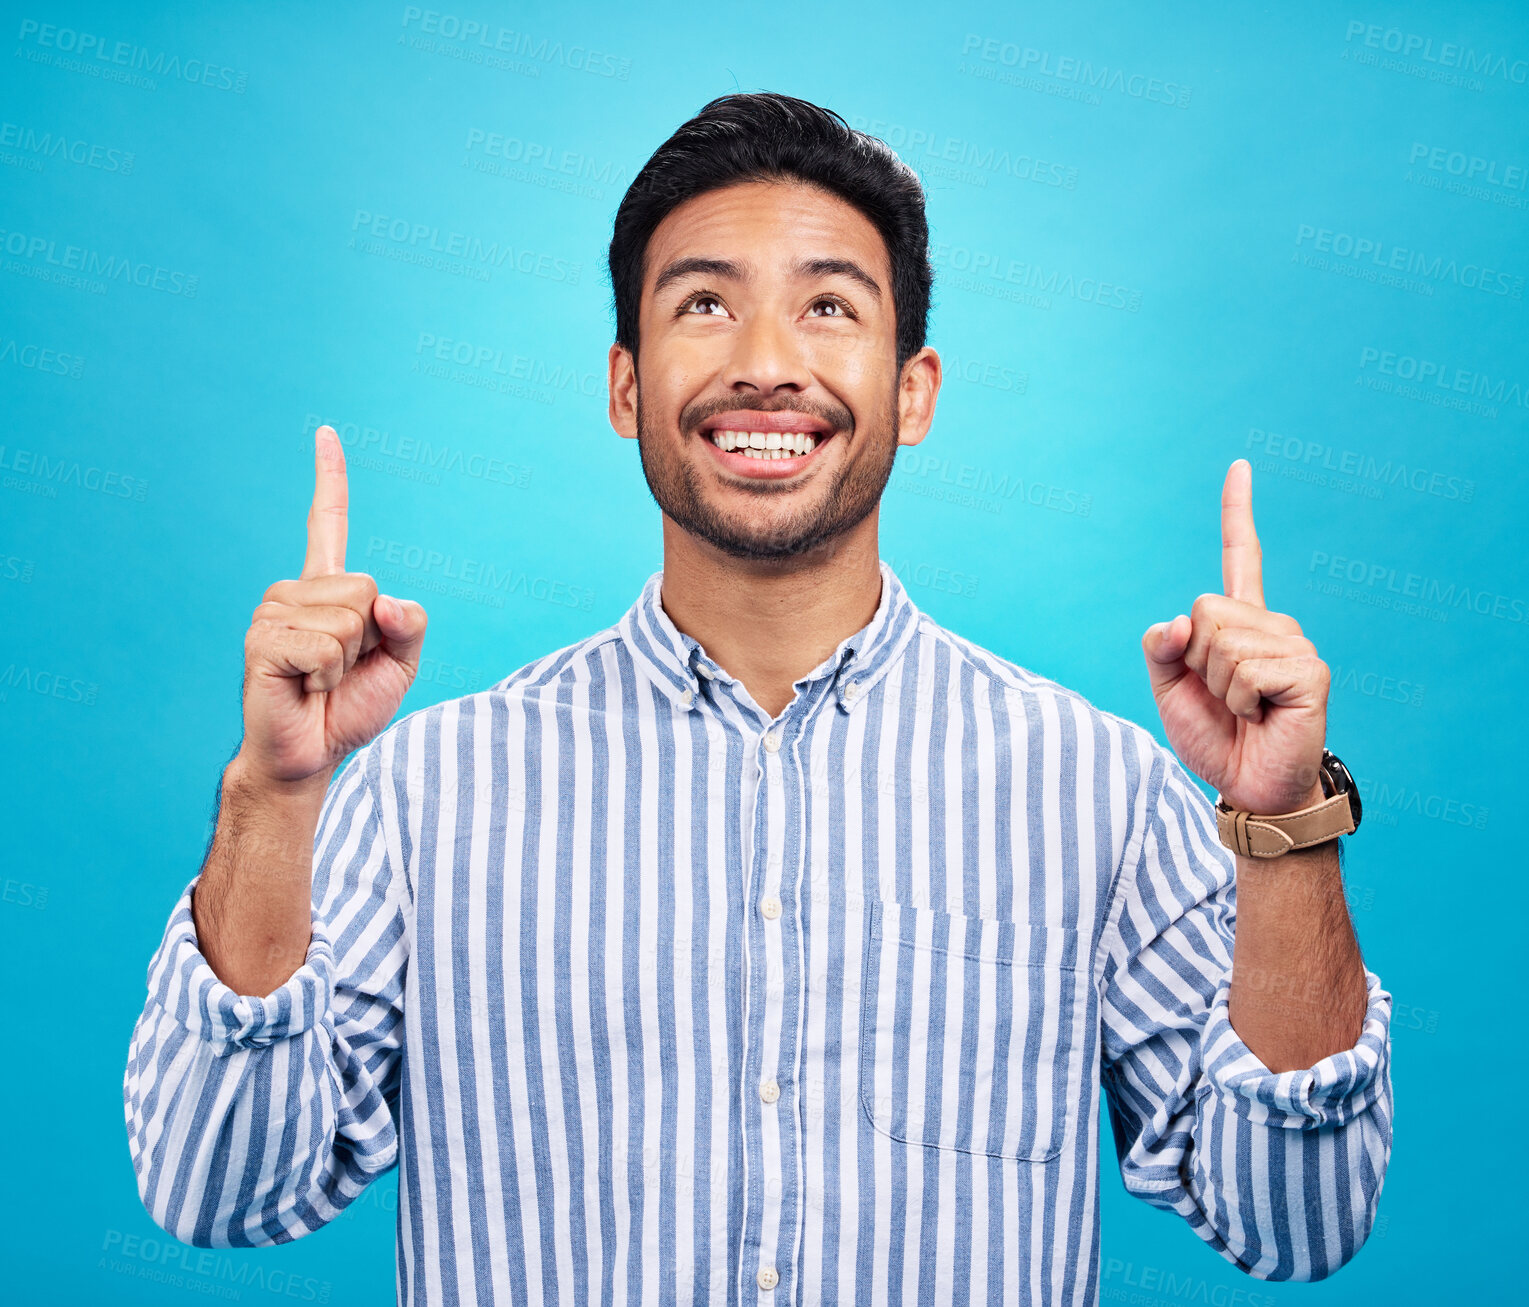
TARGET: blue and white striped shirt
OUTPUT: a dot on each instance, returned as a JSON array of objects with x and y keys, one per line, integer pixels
[{"x": 654, "y": 998}]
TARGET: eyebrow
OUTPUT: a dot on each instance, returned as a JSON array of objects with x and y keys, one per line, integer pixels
[{"x": 736, "y": 271}]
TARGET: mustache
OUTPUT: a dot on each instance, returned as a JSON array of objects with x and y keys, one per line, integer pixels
[{"x": 836, "y": 415}]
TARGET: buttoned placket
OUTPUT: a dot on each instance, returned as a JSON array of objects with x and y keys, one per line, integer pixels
[
  {"x": 774, "y": 785},
  {"x": 769, "y": 1032},
  {"x": 773, "y": 998}
]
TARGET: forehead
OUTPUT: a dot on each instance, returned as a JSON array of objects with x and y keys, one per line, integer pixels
[{"x": 770, "y": 225}]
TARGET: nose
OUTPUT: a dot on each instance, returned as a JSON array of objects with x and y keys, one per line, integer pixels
[{"x": 766, "y": 356}]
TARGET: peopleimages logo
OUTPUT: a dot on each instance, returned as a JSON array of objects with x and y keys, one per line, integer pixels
[
  {"x": 100, "y": 56},
  {"x": 1379, "y": 473},
  {"x": 1032, "y": 278},
  {"x": 1437, "y": 374},
  {"x": 1385, "y": 800},
  {"x": 203, "y": 1271},
  {"x": 1468, "y": 167},
  {"x": 1080, "y": 72},
  {"x": 471, "y": 578},
  {"x": 1373, "y": 252},
  {"x": 39, "y": 358},
  {"x": 52, "y": 469},
  {"x": 1442, "y": 55},
  {"x": 540, "y": 156},
  {"x": 508, "y": 370},
  {"x": 1155, "y": 1286},
  {"x": 47, "y": 684},
  {"x": 1390, "y": 582},
  {"x": 70, "y": 149},
  {"x": 923, "y": 147},
  {"x": 421, "y": 459},
  {"x": 431, "y": 246},
  {"x": 472, "y": 32},
  {"x": 46, "y": 253}
]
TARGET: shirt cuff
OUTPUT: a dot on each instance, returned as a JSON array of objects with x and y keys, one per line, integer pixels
[
  {"x": 1331, "y": 1093},
  {"x": 185, "y": 986}
]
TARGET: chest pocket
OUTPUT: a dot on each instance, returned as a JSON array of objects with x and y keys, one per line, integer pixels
[{"x": 975, "y": 1035}]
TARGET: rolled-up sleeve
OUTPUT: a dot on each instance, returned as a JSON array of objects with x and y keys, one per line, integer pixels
[
  {"x": 1279, "y": 1172},
  {"x": 255, "y": 1120}
]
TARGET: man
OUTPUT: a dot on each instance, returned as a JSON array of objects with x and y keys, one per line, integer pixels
[{"x": 770, "y": 944}]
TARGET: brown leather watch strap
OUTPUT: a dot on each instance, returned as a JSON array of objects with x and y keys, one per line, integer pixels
[{"x": 1256, "y": 836}]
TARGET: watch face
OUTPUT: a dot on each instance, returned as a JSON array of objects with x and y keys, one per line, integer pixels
[{"x": 1343, "y": 782}]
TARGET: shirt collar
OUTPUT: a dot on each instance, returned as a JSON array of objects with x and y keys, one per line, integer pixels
[{"x": 681, "y": 667}]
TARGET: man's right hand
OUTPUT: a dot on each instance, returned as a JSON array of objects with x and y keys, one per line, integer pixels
[{"x": 327, "y": 660}]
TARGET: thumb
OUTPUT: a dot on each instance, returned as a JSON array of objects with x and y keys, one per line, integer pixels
[
  {"x": 1165, "y": 644},
  {"x": 402, "y": 624}
]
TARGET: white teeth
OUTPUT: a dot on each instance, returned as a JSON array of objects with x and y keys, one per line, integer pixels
[{"x": 766, "y": 444}]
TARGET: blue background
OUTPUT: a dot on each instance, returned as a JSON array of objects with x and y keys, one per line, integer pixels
[{"x": 157, "y": 467}]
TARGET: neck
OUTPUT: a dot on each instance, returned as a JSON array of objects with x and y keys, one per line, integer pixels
[{"x": 769, "y": 623}]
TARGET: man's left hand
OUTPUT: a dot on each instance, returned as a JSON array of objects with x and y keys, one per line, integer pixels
[{"x": 1241, "y": 691}]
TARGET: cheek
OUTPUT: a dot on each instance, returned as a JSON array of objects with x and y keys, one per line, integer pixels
[
  {"x": 857, "y": 375},
  {"x": 670, "y": 379},
  {"x": 683, "y": 368}
]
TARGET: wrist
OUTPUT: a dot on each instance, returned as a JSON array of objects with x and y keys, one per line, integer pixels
[
  {"x": 245, "y": 783},
  {"x": 1313, "y": 797}
]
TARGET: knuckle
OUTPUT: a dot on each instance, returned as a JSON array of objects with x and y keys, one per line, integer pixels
[{"x": 331, "y": 653}]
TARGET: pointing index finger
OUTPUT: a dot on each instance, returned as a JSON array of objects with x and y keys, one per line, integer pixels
[
  {"x": 331, "y": 503},
  {"x": 1242, "y": 565}
]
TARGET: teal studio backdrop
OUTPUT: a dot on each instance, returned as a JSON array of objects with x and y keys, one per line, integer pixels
[{"x": 1165, "y": 237}]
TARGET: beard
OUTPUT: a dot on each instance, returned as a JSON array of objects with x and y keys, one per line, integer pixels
[{"x": 843, "y": 504}]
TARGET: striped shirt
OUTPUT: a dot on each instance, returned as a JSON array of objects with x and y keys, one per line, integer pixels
[{"x": 655, "y": 998}]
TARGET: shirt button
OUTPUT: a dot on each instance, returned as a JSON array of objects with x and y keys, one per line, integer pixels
[
  {"x": 772, "y": 739},
  {"x": 704, "y": 670},
  {"x": 687, "y": 698},
  {"x": 851, "y": 691},
  {"x": 769, "y": 906},
  {"x": 769, "y": 1091},
  {"x": 767, "y": 1277}
]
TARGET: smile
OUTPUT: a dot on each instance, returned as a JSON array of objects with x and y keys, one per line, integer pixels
[
  {"x": 765, "y": 444},
  {"x": 765, "y": 455}
]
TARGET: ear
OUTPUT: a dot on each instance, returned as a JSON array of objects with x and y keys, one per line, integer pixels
[
  {"x": 621, "y": 382},
  {"x": 917, "y": 390}
]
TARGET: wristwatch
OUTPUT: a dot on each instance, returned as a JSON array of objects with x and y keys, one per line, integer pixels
[{"x": 1259, "y": 836}]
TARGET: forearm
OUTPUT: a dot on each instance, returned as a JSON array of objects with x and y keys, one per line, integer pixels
[
  {"x": 1242, "y": 1097},
  {"x": 253, "y": 1118},
  {"x": 252, "y": 905},
  {"x": 1298, "y": 984}
]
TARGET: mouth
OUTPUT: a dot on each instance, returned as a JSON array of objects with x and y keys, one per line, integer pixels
[{"x": 768, "y": 445}]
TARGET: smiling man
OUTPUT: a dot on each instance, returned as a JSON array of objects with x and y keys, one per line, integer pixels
[{"x": 773, "y": 943}]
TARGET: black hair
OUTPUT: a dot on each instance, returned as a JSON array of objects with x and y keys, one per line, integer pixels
[{"x": 763, "y": 136}]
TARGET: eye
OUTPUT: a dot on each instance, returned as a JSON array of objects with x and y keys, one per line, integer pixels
[
  {"x": 699, "y": 297},
  {"x": 842, "y": 307}
]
